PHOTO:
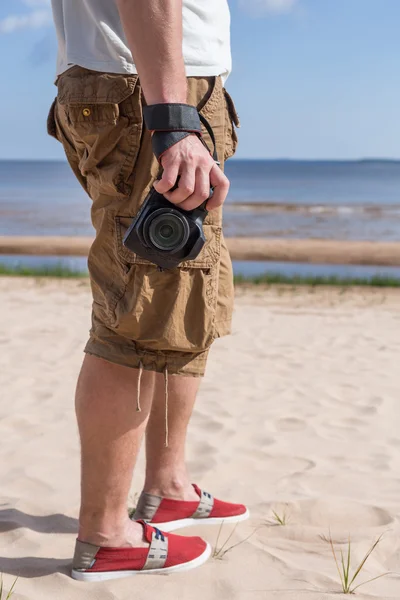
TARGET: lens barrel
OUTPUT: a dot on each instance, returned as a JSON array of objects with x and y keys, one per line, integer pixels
[{"x": 166, "y": 230}]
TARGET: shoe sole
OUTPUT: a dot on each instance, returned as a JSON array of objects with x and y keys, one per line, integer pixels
[
  {"x": 103, "y": 576},
  {"x": 179, "y": 524}
]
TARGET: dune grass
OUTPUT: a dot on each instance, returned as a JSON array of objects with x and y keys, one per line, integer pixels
[
  {"x": 318, "y": 280},
  {"x": 10, "y": 593},
  {"x": 280, "y": 518},
  {"x": 59, "y": 271},
  {"x": 133, "y": 501},
  {"x": 220, "y": 551},
  {"x": 348, "y": 576},
  {"x": 62, "y": 271}
]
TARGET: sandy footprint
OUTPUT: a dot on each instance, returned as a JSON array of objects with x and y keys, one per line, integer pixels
[{"x": 343, "y": 516}]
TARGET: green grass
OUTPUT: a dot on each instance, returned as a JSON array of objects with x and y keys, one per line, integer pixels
[
  {"x": 133, "y": 499},
  {"x": 62, "y": 271},
  {"x": 10, "y": 593},
  {"x": 280, "y": 518},
  {"x": 221, "y": 550},
  {"x": 348, "y": 576},
  {"x": 316, "y": 280}
]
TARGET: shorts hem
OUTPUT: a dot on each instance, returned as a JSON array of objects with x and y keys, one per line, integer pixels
[{"x": 186, "y": 364}]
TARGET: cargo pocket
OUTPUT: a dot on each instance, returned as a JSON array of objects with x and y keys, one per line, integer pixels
[
  {"x": 104, "y": 120},
  {"x": 231, "y": 122},
  {"x": 173, "y": 309},
  {"x": 51, "y": 122}
]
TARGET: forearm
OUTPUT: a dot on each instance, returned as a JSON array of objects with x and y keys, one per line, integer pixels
[{"x": 153, "y": 29}]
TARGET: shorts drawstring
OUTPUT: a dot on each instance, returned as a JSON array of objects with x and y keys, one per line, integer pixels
[
  {"x": 166, "y": 405},
  {"x": 138, "y": 407}
]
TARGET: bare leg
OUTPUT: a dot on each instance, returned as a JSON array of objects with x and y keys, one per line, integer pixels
[
  {"x": 166, "y": 472},
  {"x": 111, "y": 431}
]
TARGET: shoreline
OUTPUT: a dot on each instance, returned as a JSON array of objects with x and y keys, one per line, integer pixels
[
  {"x": 259, "y": 281},
  {"x": 313, "y": 251}
]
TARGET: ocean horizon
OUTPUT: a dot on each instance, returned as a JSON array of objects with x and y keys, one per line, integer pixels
[{"x": 277, "y": 198}]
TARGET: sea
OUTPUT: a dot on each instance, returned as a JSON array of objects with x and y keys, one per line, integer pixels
[{"x": 341, "y": 200}]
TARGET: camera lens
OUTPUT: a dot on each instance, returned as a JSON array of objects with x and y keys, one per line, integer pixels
[{"x": 167, "y": 230}]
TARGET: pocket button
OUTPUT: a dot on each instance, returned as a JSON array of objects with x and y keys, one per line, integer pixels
[{"x": 86, "y": 112}]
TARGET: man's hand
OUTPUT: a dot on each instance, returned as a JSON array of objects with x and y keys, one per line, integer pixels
[
  {"x": 154, "y": 32},
  {"x": 197, "y": 171}
]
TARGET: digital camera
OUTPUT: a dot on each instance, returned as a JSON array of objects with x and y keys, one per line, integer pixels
[{"x": 164, "y": 234}]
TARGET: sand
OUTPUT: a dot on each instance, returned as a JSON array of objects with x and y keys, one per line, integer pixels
[
  {"x": 299, "y": 413},
  {"x": 319, "y": 251}
]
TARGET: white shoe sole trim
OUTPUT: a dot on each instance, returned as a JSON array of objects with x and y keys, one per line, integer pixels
[
  {"x": 103, "y": 576},
  {"x": 174, "y": 525}
]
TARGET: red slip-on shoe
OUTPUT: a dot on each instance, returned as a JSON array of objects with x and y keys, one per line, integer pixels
[
  {"x": 168, "y": 553},
  {"x": 168, "y": 514}
]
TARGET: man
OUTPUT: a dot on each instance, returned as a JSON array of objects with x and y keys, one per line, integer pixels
[{"x": 151, "y": 330}]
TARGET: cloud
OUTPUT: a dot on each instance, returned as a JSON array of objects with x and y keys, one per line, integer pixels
[
  {"x": 35, "y": 19},
  {"x": 267, "y": 6}
]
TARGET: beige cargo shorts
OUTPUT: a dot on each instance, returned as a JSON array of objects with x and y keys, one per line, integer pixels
[{"x": 142, "y": 318}]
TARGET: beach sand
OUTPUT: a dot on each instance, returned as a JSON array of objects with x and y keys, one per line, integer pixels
[{"x": 299, "y": 413}]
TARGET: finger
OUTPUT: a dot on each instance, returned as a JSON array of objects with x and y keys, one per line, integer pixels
[
  {"x": 201, "y": 190},
  {"x": 168, "y": 178},
  {"x": 185, "y": 187},
  {"x": 220, "y": 183}
]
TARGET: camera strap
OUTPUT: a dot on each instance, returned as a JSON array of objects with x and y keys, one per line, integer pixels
[
  {"x": 212, "y": 136},
  {"x": 171, "y": 123}
]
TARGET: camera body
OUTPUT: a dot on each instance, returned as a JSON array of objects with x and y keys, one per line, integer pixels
[{"x": 164, "y": 234}]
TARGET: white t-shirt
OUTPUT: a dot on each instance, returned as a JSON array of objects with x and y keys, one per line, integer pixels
[{"x": 90, "y": 34}]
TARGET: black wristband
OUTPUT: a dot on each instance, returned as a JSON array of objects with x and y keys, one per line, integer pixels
[
  {"x": 161, "y": 141},
  {"x": 172, "y": 117},
  {"x": 170, "y": 123}
]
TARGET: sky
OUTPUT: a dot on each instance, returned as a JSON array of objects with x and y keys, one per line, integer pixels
[{"x": 312, "y": 79}]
